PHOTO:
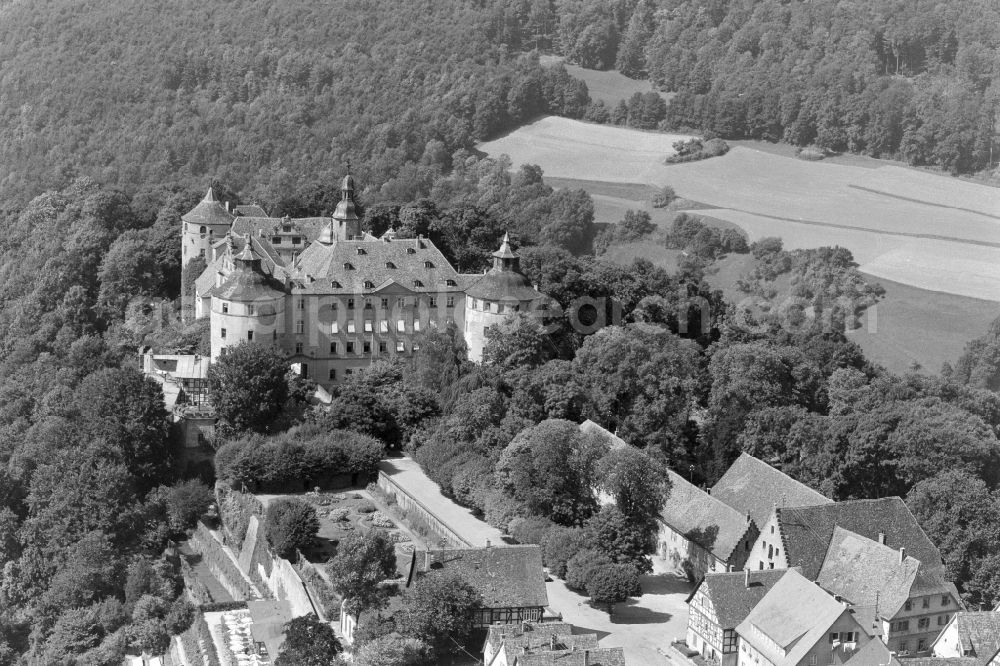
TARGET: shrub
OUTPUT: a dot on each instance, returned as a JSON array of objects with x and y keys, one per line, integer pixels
[
  {"x": 366, "y": 507},
  {"x": 609, "y": 584},
  {"x": 531, "y": 530},
  {"x": 290, "y": 525},
  {"x": 663, "y": 197},
  {"x": 559, "y": 546},
  {"x": 579, "y": 566},
  {"x": 811, "y": 153},
  {"x": 500, "y": 510}
]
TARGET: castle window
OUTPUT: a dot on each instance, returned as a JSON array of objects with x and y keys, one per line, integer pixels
[
  {"x": 300, "y": 327},
  {"x": 348, "y": 266},
  {"x": 418, "y": 283},
  {"x": 225, "y": 308},
  {"x": 369, "y": 284},
  {"x": 383, "y": 326},
  {"x": 401, "y": 326},
  {"x": 222, "y": 334},
  {"x": 428, "y": 264},
  {"x": 276, "y": 240},
  {"x": 298, "y": 347},
  {"x": 433, "y": 302},
  {"x": 368, "y": 325},
  {"x": 400, "y": 346},
  {"x": 274, "y": 336},
  {"x": 350, "y": 326},
  {"x": 202, "y": 229},
  {"x": 333, "y": 348},
  {"x": 334, "y": 328},
  {"x": 301, "y": 305},
  {"x": 451, "y": 283},
  {"x": 361, "y": 250},
  {"x": 416, "y": 325},
  {"x": 389, "y": 264},
  {"x": 368, "y": 304},
  {"x": 250, "y": 310},
  {"x": 400, "y": 302},
  {"x": 333, "y": 373},
  {"x": 382, "y": 347},
  {"x": 450, "y": 302},
  {"x": 367, "y": 349},
  {"x": 385, "y": 303},
  {"x": 350, "y": 349},
  {"x": 350, "y": 303},
  {"x": 249, "y": 336},
  {"x": 296, "y": 240}
]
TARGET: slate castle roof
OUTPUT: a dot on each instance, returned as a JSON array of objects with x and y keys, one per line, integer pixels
[
  {"x": 505, "y": 576},
  {"x": 504, "y": 281},
  {"x": 808, "y": 531},
  {"x": 867, "y": 574},
  {"x": 751, "y": 485},
  {"x": 248, "y": 281},
  {"x": 209, "y": 211},
  {"x": 735, "y": 594},
  {"x": 795, "y": 614},
  {"x": 703, "y": 519}
]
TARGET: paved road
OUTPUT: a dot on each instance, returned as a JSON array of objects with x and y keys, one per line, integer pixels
[
  {"x": 643, "y": 626},
  {"x": 407, "y": 473}
]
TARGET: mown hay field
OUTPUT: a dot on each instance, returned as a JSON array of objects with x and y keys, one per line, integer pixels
[
  {"x": 609, "y": 86},
  {"x": 916, "y": 228}
]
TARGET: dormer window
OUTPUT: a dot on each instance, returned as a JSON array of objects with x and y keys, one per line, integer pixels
[
  {"x": 334, "y": 284},
  {"x": 348, "y": 266},
  {"x": 428, "y": 264},
  {"x": 451, "y": 283},
  {"x": 389, "y": 264},
  {"x": 287, "y": 228},
  {"x": 410, "y": 250},
  {"x": 361, "y": 250},
  {"x": 369, "y": 284},
  {"x": 418, "y": 283}
]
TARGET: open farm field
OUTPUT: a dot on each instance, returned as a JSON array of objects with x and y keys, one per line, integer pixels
[
  {"x": 915, "y": 325},
  {"x": 912, "y": 227},
  {"x": 610, "y": 86}
]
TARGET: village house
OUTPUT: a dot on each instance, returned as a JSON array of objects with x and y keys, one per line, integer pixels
[
  {"x": 801, "y": 537},
  {"x": 719, "y": 603},
  {"x": 505, "y": 643},
  {"x": 601, "y": 656},
  {"x": 510, "y": 580},
  {"x": 973, "y": 636},
  {"x": 699, "y": 533},
  {"x": 333, "y": 298},
  {"x": 797, "y": 623},
  {"x": 874, "y": 653},
  {"x": 752, "y": 486},
  {"x": 889, "y": 589}
]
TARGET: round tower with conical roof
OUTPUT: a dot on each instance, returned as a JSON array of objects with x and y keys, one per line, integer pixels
[
  {"x": 499, "y": 293},
  {"x": 249, "y": 305},
  {"x": 203, "y": 226}
]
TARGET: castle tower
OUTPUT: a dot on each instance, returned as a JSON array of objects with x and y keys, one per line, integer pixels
[
  {"x": 202, "y": 226},
  {"x": 498, "y": 294},
  {"x": 249, "y": 305},
  {"x": 345, "y": 218}
]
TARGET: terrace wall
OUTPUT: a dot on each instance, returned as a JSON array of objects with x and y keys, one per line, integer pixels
[{"x": 413, "y": 506}]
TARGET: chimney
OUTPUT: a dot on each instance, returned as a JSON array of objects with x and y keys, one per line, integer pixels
[
  {"x": 881, "y": 537},
  {"x": 749, "y": 519},
  {"x": 902, "y": 554},
  {"x": 746, "y": 578},
  {"x": 488, "y": 544}
]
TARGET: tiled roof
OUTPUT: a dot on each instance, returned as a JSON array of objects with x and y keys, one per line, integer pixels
[
  {"x": 795, "y": 614},
  {"x": 732, "y": 598},
  {"x": 498, "y": 632},
  {"x": 497, "y": 285},
  {"x": 605, "y": 656},
  {"x": 751, "y": 485},
  {"x": 209, "y": 211},
  {"x": 703, "y": 519},
  {"x": 415, "y": 264},
  {"x": 934, "y": 661},
  {"x": 807, "y": 531},
  {"x": 271, "y": 263},
  {"x": 867, "y": 573},
  {"x": 246, "y": 284},
  {"x": 613, "y": 440},
  {"x": 541, "y": 641},
  {"x": 265, "y": 227},
  {"x": 980, "y": 634},
  {"x": 506, "y": 576},
  {"x": 874, "y": 653}
]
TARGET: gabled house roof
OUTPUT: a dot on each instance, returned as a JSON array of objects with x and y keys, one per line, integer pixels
[
  {"x": 806, "y": 533},
  {"x": 735, "y": 594},
  {"x": 979, "y": 633},
  {"x": 874, "y": 653},
  {"x": 751, "y": 485},
  {"x": 703, "y": 519},
  {"x": 602, "y": 656},
  {"x": 795, "y": 614},
  {"x": 867, "y": 574},
  {"x": 505, "y": 576}
]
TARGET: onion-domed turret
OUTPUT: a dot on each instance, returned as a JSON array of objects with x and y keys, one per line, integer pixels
[{"x": 346, "y": 215}]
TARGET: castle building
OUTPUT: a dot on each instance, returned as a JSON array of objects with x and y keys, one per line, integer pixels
[{"x": 333, "y": 298}]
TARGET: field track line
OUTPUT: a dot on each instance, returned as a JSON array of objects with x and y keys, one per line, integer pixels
[
  {"x": 926, "y": 203},
  {"x": 834, "y": 225}
]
